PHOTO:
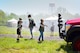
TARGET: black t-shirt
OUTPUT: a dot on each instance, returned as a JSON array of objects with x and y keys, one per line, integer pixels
[
  {"x": 52, "y": 28},
  {"x": 19, "y": 24}
]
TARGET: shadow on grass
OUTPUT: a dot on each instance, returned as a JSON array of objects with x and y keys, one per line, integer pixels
[
  {"x": 66, "y": 48},
  {"x": 28, "y": 39}
]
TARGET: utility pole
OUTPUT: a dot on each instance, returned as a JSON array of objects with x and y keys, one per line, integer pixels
[{"x": 51, "y": 5}]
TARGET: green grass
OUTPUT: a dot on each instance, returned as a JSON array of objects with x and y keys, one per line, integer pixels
[
  {"x": 10, "y": 30},
  {"x": 9, "y": 45}
]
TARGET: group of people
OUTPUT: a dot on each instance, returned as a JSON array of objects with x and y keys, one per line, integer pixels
[{"x": 31, "y": 26}]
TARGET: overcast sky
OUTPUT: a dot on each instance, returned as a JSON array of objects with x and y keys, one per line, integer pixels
[{"x": 38, "y": 6}]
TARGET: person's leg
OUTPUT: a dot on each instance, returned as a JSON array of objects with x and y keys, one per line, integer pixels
[
  {"x": 18, "y": 38},
  {"x": 31, "y": 32},
  {"x": 20, "y": 33},
  {"x": 40, "y": 36},
  {"x": 52, "y": 33}
]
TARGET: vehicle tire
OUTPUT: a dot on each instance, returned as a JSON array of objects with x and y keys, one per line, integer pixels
[{"x": 76, "y": 44}]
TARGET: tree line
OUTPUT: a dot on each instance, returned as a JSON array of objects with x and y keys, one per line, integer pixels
[{"x": 4, "y": 17}]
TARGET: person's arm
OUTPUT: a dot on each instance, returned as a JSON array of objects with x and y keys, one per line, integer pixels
[
  {"x": 29, "y": 23},
  {"x": 21, "y": 21},
  {"x": 43, "y": 25}
]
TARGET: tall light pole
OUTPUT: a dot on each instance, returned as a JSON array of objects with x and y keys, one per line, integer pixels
[{"x": 52, "y": 5}]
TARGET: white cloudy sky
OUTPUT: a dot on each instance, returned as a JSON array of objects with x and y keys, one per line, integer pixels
[{"x": 37, "y": 6}]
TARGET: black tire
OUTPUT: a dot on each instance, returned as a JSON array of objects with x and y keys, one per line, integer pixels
[{"x": 76, "y": 44}]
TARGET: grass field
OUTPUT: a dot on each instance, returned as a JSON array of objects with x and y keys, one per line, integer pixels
[
  {"x": 25, "y": 31},
  {"x": 9, "y": 45}
]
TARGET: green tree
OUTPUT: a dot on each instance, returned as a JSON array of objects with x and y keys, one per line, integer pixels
[
  {"x": 2, "y": 17},
  {"x": 12, "y": 15}
]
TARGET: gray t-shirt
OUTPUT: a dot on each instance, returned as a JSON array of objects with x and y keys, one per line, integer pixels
[{"x": 31, "y": 23}]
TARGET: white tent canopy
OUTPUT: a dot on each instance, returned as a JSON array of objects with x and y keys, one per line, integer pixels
[
  {"x": 13, "y": 20},
  {"x": 12, "y": 23},
  {"x": 52, "y": 18}
]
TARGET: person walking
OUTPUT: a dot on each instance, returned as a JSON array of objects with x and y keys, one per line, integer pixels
[
  {"x": 41, "y": 29},
  {"x": 31, "y": 25},
  {"x": 52, "y": 29},
  {"x": 19, "y": 27}
]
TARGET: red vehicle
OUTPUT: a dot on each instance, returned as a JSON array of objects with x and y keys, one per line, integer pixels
[{"x": 71, "y": 32}]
